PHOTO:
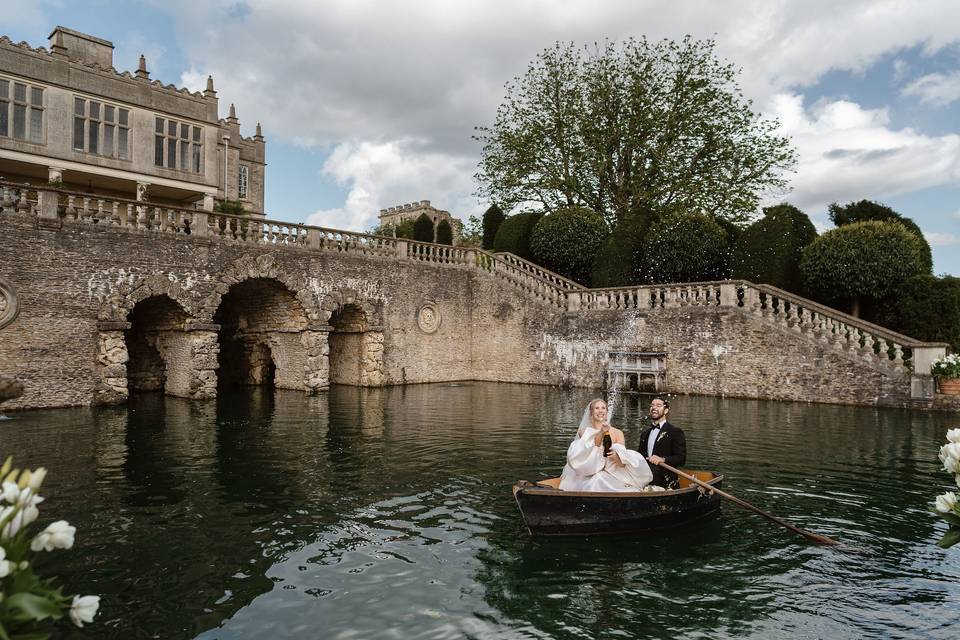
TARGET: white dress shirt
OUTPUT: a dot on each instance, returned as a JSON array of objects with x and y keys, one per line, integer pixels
[{"x": 652, "y": 438}]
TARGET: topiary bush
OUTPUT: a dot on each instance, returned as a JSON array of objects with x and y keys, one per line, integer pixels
[
  {"x": 514, "y": 234},
  {"x": 493, "y": 217},
  {"x": 684, "y": 247},
  {"x": 423, "y": 228},
  {"x": 928, "y": 308},
  {"x": 864, "y": 210},
  {"x": 861, "y": 261},
  {"x": 616, "y": 262},
  {"x": 769, "y": 250},
  {"x": 444, "y": 233},
  {"x": 567, "y": 240}
]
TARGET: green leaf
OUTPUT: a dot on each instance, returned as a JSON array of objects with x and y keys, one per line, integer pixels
[
  {"x": 33, "y": 635},
  {"x": 28, "y": 606},
  {"x": 3, "y": 633},
  {"x": 952, "y": 518},
  {"x": 950, "y": 538}
]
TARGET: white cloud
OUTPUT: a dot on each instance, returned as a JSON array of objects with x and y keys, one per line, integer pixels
[
  {"x": 938, "y": 89},
  {"x": 385, "y": 174},
  {"x": 401, "y": 85},
  {"x": 938, "y": 239},
  {"x": 847, "y": 152}
]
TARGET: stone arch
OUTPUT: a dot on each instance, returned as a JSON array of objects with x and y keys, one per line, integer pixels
[
  {"x": 355, "y": 339},
  {"x": 264, "y": 267},
  {"x": 265, "y": 331},
  {"x": 170, "y": 350},
  {"x": 121, "y": 302}
]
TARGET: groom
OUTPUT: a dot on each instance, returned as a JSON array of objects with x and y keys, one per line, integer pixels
[{"x": 663, "y": 442}]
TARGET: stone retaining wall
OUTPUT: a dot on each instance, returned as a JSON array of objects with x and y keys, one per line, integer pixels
[{"x": 421, "y": 319}]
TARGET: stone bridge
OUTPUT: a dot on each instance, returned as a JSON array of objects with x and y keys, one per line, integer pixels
[{"x": 100, "y": 298}]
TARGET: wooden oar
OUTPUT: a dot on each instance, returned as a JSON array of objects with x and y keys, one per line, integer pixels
[{"x": 815, "y": 537}]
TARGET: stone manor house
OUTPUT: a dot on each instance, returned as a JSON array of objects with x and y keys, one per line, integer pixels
[{"x": 67, "y": 116}]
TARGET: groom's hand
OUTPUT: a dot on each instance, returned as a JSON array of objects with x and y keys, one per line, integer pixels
[{"x": 655, "y": 460}]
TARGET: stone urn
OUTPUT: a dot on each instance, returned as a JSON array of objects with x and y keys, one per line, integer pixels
[{"x": 949, "y": 386}]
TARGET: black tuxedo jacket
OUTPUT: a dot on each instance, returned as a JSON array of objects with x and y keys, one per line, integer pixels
[{"x": 671, "y": 445}]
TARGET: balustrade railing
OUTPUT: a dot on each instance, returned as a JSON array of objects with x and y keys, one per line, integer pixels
[
  {"x": 519, "y": 264},
  {"x": 855, "y": 337},
  {"x": 666, "y": 296}
]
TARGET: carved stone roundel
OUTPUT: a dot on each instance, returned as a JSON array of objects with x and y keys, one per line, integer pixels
[
  {"x": 428, "y": 318},
  {"x": 8, "y": 304}
]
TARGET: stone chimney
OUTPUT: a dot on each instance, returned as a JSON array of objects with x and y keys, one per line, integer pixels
[
  {"x": 141, "y": 71},
  {"x": 82, "y": 47}
]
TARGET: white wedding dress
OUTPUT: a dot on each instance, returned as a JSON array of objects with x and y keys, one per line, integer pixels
[{"x": 588, "y": 470}]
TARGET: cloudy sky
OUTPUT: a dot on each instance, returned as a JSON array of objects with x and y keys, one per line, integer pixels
[{"x": 370, "y": 104}]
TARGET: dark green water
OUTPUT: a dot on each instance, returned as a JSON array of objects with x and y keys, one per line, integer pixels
[{"x": 388, "y": 514}]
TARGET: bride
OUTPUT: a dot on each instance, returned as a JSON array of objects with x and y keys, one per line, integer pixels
[{"x": 588, "y": 470}]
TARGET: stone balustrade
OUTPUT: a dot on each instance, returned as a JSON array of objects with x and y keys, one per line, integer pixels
[
  {"x": 873, "y": 344},
  {"x": 857, "y": 338},
  {"x": 519, "y": 264},
  {"x": 666, "y": 296}
]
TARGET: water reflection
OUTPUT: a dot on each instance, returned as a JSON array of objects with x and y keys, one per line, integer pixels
[{"x": 374, "y": 513}]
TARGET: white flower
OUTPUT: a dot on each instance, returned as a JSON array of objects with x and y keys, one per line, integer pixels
[
  {"x": 953, "y": 435},
  {"x": 36, "y": 478},
  {"x": 57, "y": 535},
  {"x": 950, "y": 457},
  {"x": 946, "y": 502},
  {"x": 5, "y": 566},
  {"x": 83, "y": 609},
  {"x": 14, "y": 525},
  {"x": 10, "y": 492}
]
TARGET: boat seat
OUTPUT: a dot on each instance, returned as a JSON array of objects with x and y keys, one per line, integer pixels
[{"x": 705, "y": 476}]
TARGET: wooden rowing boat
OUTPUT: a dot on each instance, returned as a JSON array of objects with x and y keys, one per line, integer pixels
[{"x": 547, "y": 510}]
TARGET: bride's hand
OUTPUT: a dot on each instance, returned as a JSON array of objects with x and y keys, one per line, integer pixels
[{"x": 615, "y": 457}]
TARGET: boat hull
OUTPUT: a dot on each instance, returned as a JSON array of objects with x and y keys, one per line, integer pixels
[{"x": 549, "y": 511}]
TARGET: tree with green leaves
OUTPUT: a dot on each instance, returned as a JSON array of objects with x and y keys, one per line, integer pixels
[
  {"x": 637, "y": 130},
  {"x": 444, "y": 232},
  {"x": 864, "y": 210},
  {"x": 861, "y": 262},
  {"x": 514, "y": 234},
  {"x": 423, "y": 228},
  {"x": 472, "y": 234},
  {"x": 403, "y": 229},
  {"x": 684, "y": 247},
  {"x": 234, "y": 207},
  {"x": 769, "y": 250},
  {"x": 928, "y": 308},
  {"x": 567, "y": 240},
  {"x": 493, "y": 217}
]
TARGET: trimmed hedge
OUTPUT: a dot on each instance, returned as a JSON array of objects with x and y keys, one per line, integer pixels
[
  {"x": 685, "y": 247},
  {"x": 493, "y": 217},
  {"x": 617, "y": 261},
  {"x": 865, "y": 210},
  {"x": 444, "y": 233},
  {"x": 863, "y": 260},
  {"x": 567, "y": 240},
  {"x": 514, "y": 234},
  {"x": 928, "y": 308},
  {"x": 423, "y": 228},
  {"x": 769, "y": 250}
]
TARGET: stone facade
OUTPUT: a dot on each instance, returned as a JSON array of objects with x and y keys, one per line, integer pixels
[
  {"x": 393, "y": 216},
  {"x": 73, "y": 119},
  {"x": 106, "y": 310}
]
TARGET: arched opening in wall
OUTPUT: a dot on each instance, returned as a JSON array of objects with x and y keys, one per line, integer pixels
[
  {"x": 159, "y": 354},
  {"x": 261, "y": 322},
  {"x": 347, "y": 345}
]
